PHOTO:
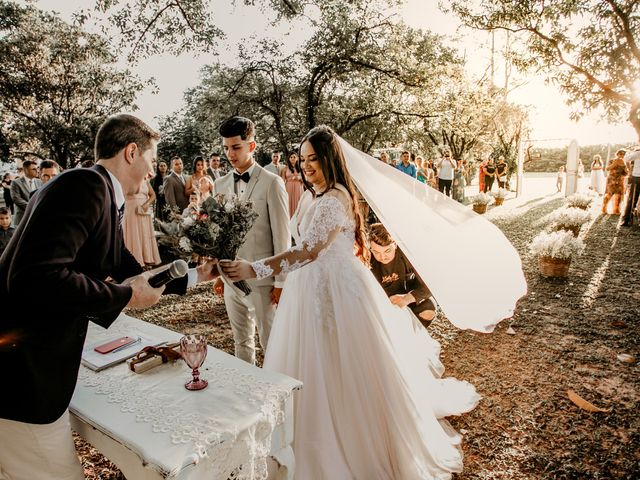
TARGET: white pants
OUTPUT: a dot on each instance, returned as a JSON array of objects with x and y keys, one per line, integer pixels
[
  {"x": 38, "y": 452},
  {"x": 244, "y": 314}
]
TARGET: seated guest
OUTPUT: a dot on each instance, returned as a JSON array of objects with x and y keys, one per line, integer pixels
[
  {"x": 398, "y": 278},
  {"x": 6, "y": 229}
]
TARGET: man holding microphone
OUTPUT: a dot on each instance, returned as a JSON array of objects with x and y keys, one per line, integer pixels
[{"x": 67, "y": 265}]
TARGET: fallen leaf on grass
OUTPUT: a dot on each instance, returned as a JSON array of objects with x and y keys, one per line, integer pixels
[
  {"x": 626, "y": 358},
  {"x": 618, "y": 323},
  {"x": 511, "y": 331},
  {"x": 583, "y": 404}
]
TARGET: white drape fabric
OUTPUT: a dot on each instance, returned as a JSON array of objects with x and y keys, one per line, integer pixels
[{"x": 474, "y": 272}]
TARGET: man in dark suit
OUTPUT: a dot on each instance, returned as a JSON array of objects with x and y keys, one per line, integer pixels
[
  {"x": 54, "y": 279},
  {"x": 174, "y": 186},
  {"x": 22, "y": 187}
]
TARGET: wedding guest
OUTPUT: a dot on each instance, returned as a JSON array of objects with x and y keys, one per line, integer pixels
[
  {"x": 617, "y": 172},
  {"x": 502, "y": 169},
  {"x": 481, "y": 176},
  {"x": 157, "y": 182},
  {"x": 6, "y": 229},
  {"x": 560, "y": 178},
  {"x": 397, "y": 277},
  {"x": 275, "y": 167},
  {"x": 194, "y": 205},
  {"x": 633, "y": 163},
  {"x": 22, "y": 187},
  {"x": 174, "y": 186},
  {"x": 458, "y": 183},
  {"x": 270, "y": 233},
  {"x": 214, "y": 171},
  {"x": 68, "y": 246},
  {"x": 87, "y": 164},
  {"x": 446, "y": 167},
  {"x": 598, "y": 181},
  {"x": 489, "y": 175},
  {"x": 293, "y": 181},
  {"x": 384, "y": 157},
  {"x": 422, "y": 171},
  {"x": 137, "y": 225},
  {"x": 199, "y": 181},
  {"x": 6, "y": 191},
  {"x": 48, "y": 170},
  {"x": 406, "y": 166}
]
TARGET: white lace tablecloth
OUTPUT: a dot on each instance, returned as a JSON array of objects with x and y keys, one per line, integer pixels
[{"x": 225, "y": 430}]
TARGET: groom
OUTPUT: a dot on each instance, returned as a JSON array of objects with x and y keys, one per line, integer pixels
[{"x": 269, "y": 236}]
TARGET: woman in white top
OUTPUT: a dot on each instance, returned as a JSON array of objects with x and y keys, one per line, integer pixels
[
  {"x": 446, "y": 169},
  {"x": 598, "y": 182}
]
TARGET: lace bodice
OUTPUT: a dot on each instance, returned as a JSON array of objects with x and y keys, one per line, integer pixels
[{"x": 322, "y": 225}]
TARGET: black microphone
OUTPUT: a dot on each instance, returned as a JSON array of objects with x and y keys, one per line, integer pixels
[{"x": 176, "y": 269}]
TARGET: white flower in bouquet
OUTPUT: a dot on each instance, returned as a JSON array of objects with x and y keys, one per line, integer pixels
[
  {"x": 185, "y": 244},
  {"x": 229, "y": 206},
  {"x": 570, "y": 217},
  {"x": 188, "y": 221},
  {"x": 560, "y": 244},
  {"x": 501, "y": 193},
  {"x": 481, "y": 199},
  {"x": 579, "y": 200}
]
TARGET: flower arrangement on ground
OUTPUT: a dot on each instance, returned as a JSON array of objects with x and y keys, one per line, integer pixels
[
  {"x": 579, "y": 200},
  {"x": 569, "y": 218},
  {"x": 500, "y": 195},
  {"x": 554, "y": 251},
  {"x": 480, "y": 202},
  {"x": 215, "y": 229}
]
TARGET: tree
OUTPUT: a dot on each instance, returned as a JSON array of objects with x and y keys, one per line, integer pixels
[
  {"x": 589, "y": 49},
  {"x": 360, "y": 73},
  {"x": 57, "y": 85}
]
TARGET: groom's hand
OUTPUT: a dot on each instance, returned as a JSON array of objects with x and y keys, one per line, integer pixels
[
  {"x": 275, "y": 295},
  {"x": 208, "y": 270}
]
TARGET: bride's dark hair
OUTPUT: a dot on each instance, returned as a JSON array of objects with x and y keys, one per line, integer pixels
[{"x": 334, "y": 169}]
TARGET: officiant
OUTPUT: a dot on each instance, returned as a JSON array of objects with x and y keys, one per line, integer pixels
[
  {"x": 397, "y": 276},
  {"x": 67, "y": 265}
]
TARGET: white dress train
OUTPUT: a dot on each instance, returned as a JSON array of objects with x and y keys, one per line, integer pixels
[{"x": 372, "y": 405}]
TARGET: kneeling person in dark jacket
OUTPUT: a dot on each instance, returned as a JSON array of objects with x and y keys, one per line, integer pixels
[{"x": 396, "y": 275}]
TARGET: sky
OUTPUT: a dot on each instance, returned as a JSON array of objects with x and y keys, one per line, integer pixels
[{"x": 549, "y": 116}]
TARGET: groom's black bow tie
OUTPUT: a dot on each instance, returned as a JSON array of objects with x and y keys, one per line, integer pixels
[{"x": 244, "y": 177}]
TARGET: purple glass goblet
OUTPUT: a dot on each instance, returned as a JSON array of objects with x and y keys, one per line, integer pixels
[{"x": 194, "y": 350}]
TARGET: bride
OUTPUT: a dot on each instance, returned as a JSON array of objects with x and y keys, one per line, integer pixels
[{"x": 370, "y": 407}]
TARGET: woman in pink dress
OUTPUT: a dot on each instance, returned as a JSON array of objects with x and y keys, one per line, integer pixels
[
  {"x": 137, "y": 226},
  {"x": 199, "y": 181},
  {"x": 293, "y": 182}
]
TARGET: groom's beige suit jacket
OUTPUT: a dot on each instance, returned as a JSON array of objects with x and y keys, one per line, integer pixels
[{"x": 270, "y": 234}]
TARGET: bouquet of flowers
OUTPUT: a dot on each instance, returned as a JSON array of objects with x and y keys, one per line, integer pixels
[
  {"x": 481, "y": 199},
  {"x": 570, "y": 217},
  {"x": 215, "y": 229},
  {"x": 561, "y": 245},
  {"x": 501, "y": 193},
  {"x": 579, "y": 200}
]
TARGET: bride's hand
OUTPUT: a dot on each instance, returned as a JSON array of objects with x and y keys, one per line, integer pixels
[{"x": 237, "y": 270}]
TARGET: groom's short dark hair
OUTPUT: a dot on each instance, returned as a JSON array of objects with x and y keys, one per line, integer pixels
[{"x": 234, "y": 126}]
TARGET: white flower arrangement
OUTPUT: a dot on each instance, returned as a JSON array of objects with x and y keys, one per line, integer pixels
[
  {"x": 569, "y": 217},
  {"x": 185, "y": 244},
  {"x": 579, "y": 200},
  {"x": 501, "y": 193},
  {"x": 560, "y": 244},
  {"x": 481, "y": 199}
]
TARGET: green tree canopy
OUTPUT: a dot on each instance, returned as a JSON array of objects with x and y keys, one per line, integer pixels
[
  {"x": 57, "y": 84},
  {"x": 588, "y": 48}
]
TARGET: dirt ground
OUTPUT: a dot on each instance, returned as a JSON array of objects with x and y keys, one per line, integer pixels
[{"x": 568, "y": 335}]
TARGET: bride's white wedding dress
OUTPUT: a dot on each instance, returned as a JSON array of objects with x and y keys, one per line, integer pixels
[{"x": 371, "y": 407}]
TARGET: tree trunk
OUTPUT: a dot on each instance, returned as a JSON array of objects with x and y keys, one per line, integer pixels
[{"x": 634, "y": 117}]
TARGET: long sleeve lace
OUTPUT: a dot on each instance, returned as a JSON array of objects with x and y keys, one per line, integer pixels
[{"x": 329, "y": 217}]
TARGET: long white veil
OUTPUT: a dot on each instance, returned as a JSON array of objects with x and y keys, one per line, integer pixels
[{"x": 473, "y": 271}]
